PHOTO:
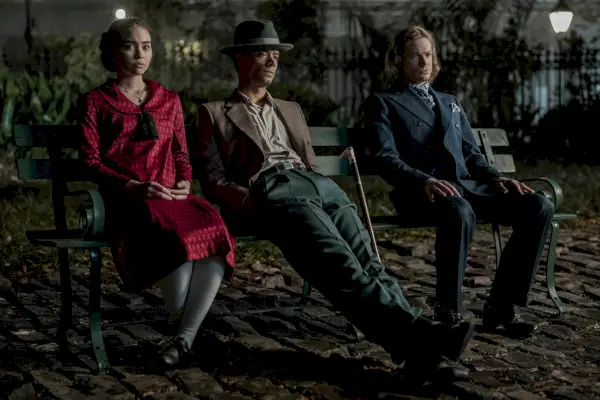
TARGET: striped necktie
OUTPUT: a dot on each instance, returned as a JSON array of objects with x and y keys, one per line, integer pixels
[{"x": 422, "y": 90}]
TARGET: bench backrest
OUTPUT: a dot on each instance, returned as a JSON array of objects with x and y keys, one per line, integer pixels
[
  {"x": 492, "y": 142},
  {"x": 327, "y": 142}
]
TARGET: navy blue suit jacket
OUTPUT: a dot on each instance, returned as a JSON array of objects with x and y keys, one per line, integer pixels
[{"x": 402, "y": 132}]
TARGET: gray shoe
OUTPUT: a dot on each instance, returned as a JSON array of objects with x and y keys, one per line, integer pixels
[{"x": 173, "y": 350}]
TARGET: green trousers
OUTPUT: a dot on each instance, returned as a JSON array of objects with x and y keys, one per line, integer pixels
[{"x": 319, "y": 232}]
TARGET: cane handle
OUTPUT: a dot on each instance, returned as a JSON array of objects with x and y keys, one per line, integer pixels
[{"x": 349, "y": 152}]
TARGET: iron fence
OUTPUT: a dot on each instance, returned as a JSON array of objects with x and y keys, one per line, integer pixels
[{"x": 551, "y": 78}]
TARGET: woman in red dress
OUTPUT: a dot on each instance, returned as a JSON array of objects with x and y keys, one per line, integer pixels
[{"x": 134, "y": 146}]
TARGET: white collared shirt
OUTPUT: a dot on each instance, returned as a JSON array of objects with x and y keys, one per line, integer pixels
[{"x": 274, "y": 136}]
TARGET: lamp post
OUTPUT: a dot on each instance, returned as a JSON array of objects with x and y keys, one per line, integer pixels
[
  {"x": 561, "y": 17},
  {"x": 28, "y": 34}
]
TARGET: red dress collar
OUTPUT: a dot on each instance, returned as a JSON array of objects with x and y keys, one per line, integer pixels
[{"x": 157, "y": 97}]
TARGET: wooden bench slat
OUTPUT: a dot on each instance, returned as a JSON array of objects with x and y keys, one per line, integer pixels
[
  {"x": 40, "y": 169},
  {"x": 62, "y": 136},
  {"x": 504, "y": 163},
  {"x": 329, "y": 136},
  {"x": 70, "y": 239},
  {"x": 70, "y": 243},
  {"x": 496, "y": 137},
  {"x": 564, "y": 217},
  {"x": 65, "y": 136},
  {"x": 333, "y": 166},
  {"x": 381, "y": 223}
]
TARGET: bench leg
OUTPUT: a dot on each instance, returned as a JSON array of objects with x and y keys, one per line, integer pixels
[
  {"x": 306, "y": 289},
  {"x": 550, "y": 281},
  {"x": 497, "y": 242},
  {"x": 66, "y": 300},
  {"x": 95, "y": 318}
]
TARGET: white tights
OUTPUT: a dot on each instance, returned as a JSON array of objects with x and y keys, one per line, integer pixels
[{"x": 190, "y": 290}]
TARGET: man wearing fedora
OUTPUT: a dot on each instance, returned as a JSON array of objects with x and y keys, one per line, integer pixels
[{"x": 257, "y": 164}]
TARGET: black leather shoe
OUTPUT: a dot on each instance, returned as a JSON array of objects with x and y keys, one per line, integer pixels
[
  {"x": 436, "y": 352},
  {"x": 447, "y": 316},
  {"x": 453, "y": 339},
  {"x": 173, "y": 350},
  {"x": 430, "y": 341},
  {"x": 417, "y": 372},
  {"x": 507, "y": 316}
]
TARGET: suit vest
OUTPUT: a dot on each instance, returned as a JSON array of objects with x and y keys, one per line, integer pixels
[{"x": 435, "y": 160}]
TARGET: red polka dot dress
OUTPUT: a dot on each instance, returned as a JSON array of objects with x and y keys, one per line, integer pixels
[{"x": 149, "y": 238}]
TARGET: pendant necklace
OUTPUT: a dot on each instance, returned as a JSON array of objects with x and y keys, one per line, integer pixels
[{"x": 139, "y": 98}]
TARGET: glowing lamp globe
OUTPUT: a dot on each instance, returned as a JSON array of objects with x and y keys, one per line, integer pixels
[{"x": 561, "y": 17}]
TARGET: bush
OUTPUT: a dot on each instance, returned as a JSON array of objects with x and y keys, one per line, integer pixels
[
  {"x": 567, "y": 134},
  {"x": 191, "y": 66}
]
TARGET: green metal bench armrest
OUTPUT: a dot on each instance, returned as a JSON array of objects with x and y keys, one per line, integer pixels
[
  {"x": 557, "y": 193},
  {"x": 92, "y": 215}
]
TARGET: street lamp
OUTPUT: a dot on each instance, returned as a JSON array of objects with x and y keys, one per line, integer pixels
[
  {"x": 561, "y": 17},
  {"x": 120, "y": 13}
]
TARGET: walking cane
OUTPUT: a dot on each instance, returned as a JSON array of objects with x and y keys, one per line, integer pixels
[{"x": 349, "y": 153}]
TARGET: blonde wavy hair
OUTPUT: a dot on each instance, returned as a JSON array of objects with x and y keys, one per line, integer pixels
[{"x": 395, "y": 54}]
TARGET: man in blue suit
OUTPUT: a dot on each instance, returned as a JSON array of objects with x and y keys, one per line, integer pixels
[{"x": 422, "y": 144}]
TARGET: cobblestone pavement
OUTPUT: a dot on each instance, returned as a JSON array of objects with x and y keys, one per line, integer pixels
[{"x": 302, "y": 355}]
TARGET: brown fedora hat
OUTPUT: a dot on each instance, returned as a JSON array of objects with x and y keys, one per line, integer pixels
[{"x": 250, "y": 35}]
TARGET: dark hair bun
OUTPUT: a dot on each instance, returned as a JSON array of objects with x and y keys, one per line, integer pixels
[{"x": 108, "y": 42}]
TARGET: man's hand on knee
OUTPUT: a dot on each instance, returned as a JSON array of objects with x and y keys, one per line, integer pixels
[
  {"x": 439, "y": 188},
  {"x": 507, "y": 185}
]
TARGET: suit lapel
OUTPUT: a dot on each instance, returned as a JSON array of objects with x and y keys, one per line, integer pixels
[
  {"x": 413, "y": 103},
  {"x": 239, "y": 116},
  {"x": 293, "y": 122},
  {"x": 445, "y": 109}
]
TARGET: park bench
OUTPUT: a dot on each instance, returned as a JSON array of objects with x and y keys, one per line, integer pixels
[{"x": 328, "y": 144}]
